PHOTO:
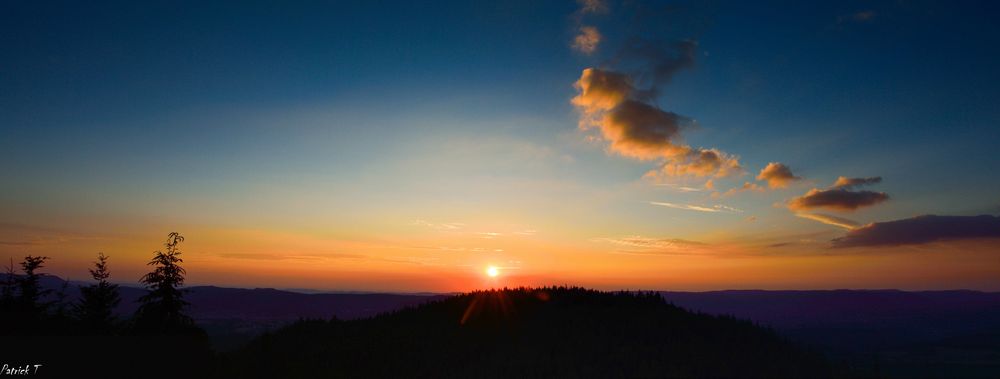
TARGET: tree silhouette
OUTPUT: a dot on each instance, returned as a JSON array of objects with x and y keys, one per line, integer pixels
[
  {"x": 30, "y": 293},
  {"x": 98, "y": 300},
  {"x": 162, "y": 309},
  {"x": 7, "y": 292}
]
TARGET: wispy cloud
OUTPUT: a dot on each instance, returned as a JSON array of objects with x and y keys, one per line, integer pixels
[
  {"x": 587, "y": 40},
  {"x": 439, "y": 226},
  {"x": 678, "y": 188},
  {"x": 639, "y": 245},
  {"x": 646, "y": 242},
  {"x": 278, "y": 257},
  {"x": 845, "y": 182},
  {"x": 830, "y": 220},
  {"x": 746, "y": 187},
  {"x": 593, "y": 6},
  {"x": 717, "y": 208}
]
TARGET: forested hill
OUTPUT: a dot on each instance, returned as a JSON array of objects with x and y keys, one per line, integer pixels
[{"x": 546, "y": 332}]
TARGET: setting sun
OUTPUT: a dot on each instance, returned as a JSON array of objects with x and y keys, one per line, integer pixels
[
  {"x": 492, "y": 271},
  {"x": 563, "y": 188}
]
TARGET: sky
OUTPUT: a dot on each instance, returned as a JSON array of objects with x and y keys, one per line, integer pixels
[{"x": 407, "y": 146}]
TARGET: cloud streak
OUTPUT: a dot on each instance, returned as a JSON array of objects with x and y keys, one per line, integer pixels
[
  {"x": 639, "y": 245},
  {"x": 921, "y": 230},
  {"x": 718, "y": 208},
  {"x": 830, "y": 220},
  {"x": 439, "y": 226},
  {"x": 651, "y": 243}
]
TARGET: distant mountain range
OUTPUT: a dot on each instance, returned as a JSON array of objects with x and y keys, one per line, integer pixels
[
  {"x": 264, "y": 304},
  {"x": 883, "y": 327},
  {"x": 879, "y": 318}
]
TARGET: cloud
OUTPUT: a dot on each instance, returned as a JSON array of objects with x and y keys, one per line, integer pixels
[
  {"x": 747, "y": 186},
  {"x": 700, "y": 162},
  {"x": 841, "y": 196},
  {"x": 659, "y": 60},
  {"x": 439, "y": 226},
  {"x": 777, "y": 175},
  {"x": 845, "y": 182},
  {"x": 592, "y": 6},
  {"x": 655, "y": 246},
  {"x": 713, "y": 209},
  {"x": 830, "y": 220},
  {"x": 610, "y": 102},
  {"x": 679, "y": 188},
  {"x": 641, "y": 131},
  {"x": 601, "y": 90},
  {"x": 646, "y": 242},
  {"x": 921, "y": 230},
  {"x": 837, "y": 199},
  {"x": 276, "y": 257},
  {"x": 587, "y": 40}
]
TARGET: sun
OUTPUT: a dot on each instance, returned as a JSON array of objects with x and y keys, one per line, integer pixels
[{"x": 492, "y": 271}]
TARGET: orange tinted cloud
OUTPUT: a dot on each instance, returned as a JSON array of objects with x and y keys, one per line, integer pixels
[
  {"x": 777, "y": 175},
  {"x": 641, "y": 131},
  {"x": 830, "y": 220},
  {"x": 609, "y": 103},
  {"x": 841, "y": 196},
  {"x": 701, "y": 162},
  {"x": 601, "y": 90},
  {"x": 747, "y": 186},
  {"x": 837, "y": 199}
]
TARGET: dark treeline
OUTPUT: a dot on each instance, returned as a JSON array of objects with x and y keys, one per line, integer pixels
[
  {"x": 523, "y": 332},
  {"x": 41, "y": 327},
  {"x": 543, "y": 332}
]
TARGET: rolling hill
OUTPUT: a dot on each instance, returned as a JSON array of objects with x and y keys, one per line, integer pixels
[{"x": 546, "y": 332}]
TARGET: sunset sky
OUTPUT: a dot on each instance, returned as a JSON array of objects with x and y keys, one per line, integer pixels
[{"x": 407, "y": 146}]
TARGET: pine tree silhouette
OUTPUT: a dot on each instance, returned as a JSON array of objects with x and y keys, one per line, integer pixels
[
  {"x": 162, "y": 309},
  {"x": 30, "y": 293},
  {"x": 98, "y": 300},
  {"x": 7, "y": 290}
]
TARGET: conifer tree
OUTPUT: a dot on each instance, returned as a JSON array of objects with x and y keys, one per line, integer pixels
[
  {"x": 162, "y": 309},
  {"x": 7, "y": 287},
  {"x": 97, "y": 303},
  {"x": 30, "y": 292}
]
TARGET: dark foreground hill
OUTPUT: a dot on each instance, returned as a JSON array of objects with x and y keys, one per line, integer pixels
[{"x": 550, "y": 332}]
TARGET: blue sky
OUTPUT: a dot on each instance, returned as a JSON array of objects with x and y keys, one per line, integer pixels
[{"x": 349, "y": 121}]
